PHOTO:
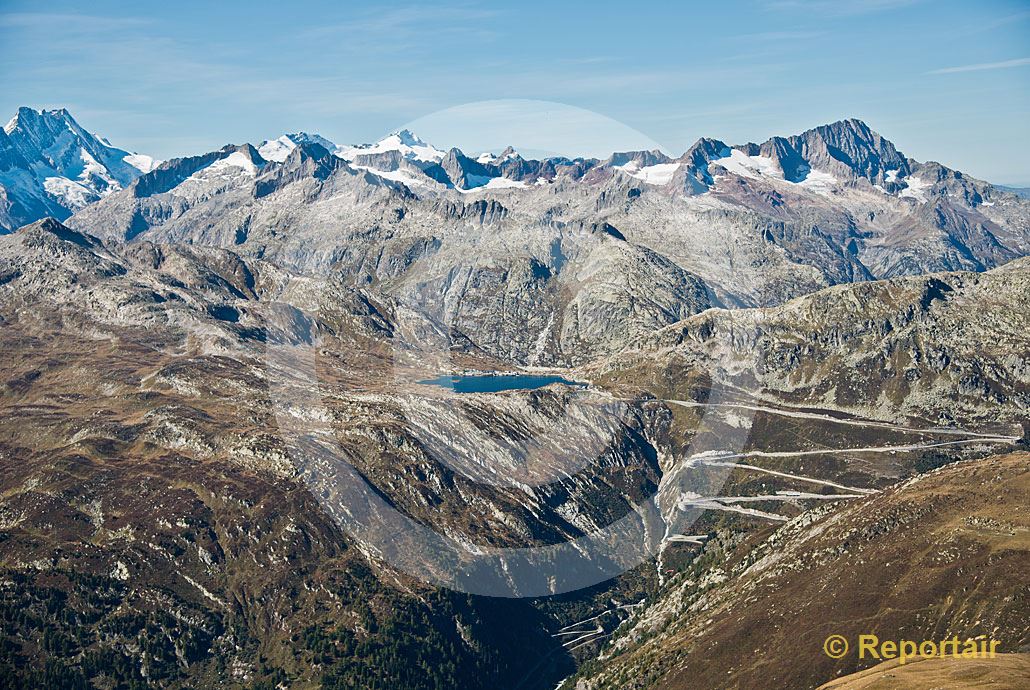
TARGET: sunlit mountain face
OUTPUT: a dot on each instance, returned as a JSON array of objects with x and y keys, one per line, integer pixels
[
  {"x": 514, "y": 347},
  {"x": 299, "y": 413}
]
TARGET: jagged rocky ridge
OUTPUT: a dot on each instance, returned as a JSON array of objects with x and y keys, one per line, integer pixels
[
  {"x": 51, "y": 166},
  {"x": 754, "y": 224}
]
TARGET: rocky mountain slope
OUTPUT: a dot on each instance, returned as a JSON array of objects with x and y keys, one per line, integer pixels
[
  {"x": 149, "y": 488},
  {"x": 51, "y": 166},
  {"x": 935, "y": 348},
  {"x": 591, "y": 244},
  {"x": 937, "y": 556}
]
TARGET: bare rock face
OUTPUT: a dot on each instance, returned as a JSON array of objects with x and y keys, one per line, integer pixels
[
  {"x": 939, "y": 347},
  {"x": 848, "y": 149}
]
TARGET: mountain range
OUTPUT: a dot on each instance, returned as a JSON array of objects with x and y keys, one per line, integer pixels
[
  {"x": 726, "y": 225},
  {"x": 809, "y": 357},
  {"x": 834, "y": 204}
]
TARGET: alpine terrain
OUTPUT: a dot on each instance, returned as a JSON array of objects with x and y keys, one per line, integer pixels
[{"x": 698, "y": 412}]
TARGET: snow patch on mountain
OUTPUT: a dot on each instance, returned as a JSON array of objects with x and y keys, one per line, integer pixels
[
  {"x": 818, "y": 181},
  {"x": 278, "y": 150},
  {"x": 477, "y": 182},
  {"x": 755, "y": 167},
  {"x": 93, "y": 171},
  {"x": 658, "y": 174},
  {"x": 404, "y": 141},
  {"x": 917, "y": 189},
  {"x": 759, "y": 167},
  {"x": 234, "y": 160},
  {"x": 141, "y": 162},
  {"x": 73, "y": 194},
  {"x": 403, "y": 176}
]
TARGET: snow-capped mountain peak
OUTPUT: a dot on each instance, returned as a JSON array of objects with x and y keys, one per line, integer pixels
[
  {"x": 507, "y": 154},
  {"x": 408, "y": 138},
  {"x": 405, "y": 142},
  {"x": 279, "y": 149},
  {"x": 62, "y": 143},
  {"x": 29, "y": 119},
  {"x": 51, "y": 165}
]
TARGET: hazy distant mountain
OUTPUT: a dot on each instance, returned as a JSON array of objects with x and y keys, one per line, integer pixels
[
  {"x": 1023, "y": 192},
  {"x": 51, "y": 166}
]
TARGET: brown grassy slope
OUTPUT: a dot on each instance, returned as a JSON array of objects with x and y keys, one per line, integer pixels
[
  {"x": 1005, "y": 672},
  {"x": 945, "y": 554}
]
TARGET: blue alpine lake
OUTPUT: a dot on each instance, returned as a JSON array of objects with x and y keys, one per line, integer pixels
[{"x": 488, "y": 383}]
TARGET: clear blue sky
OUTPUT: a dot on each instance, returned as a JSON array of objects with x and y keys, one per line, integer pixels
[{"x": 944, "y": 80}]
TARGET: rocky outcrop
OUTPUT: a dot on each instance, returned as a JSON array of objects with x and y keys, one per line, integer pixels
[{"x": 926, "y": 347}]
